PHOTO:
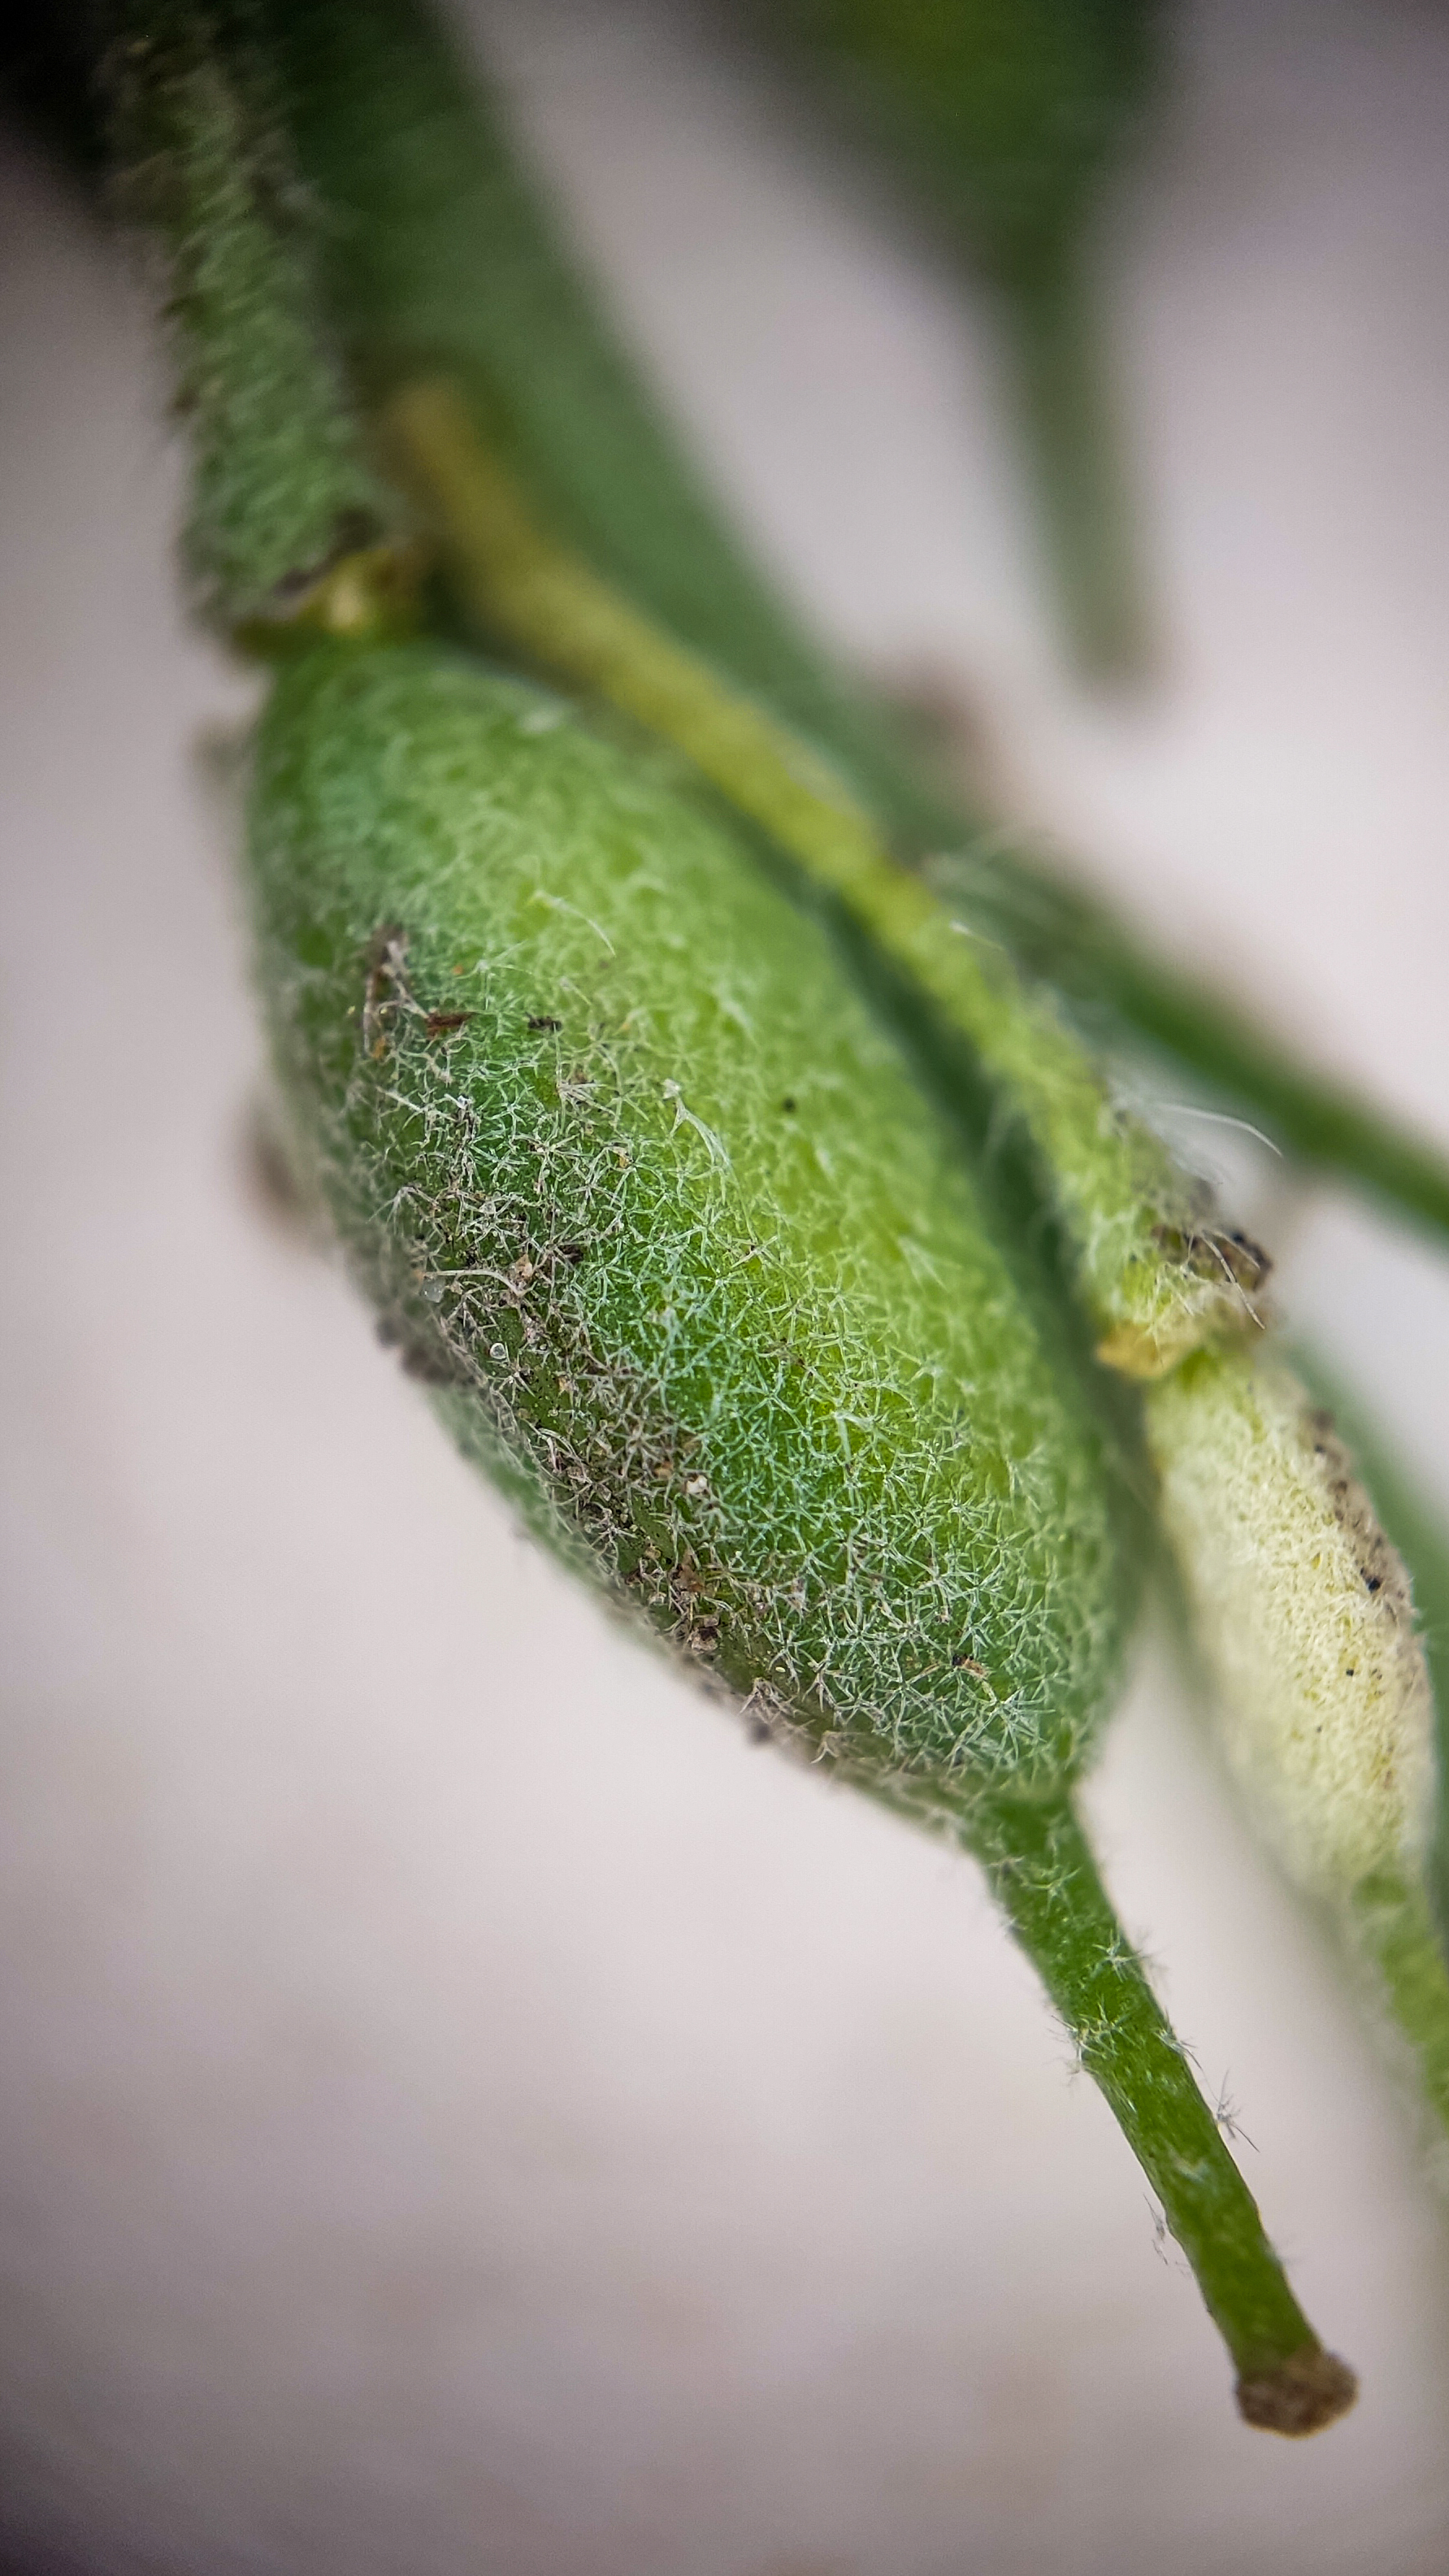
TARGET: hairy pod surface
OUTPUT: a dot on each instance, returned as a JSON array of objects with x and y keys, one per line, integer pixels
[
  {"x": 643, "y": 1189},
  {"x": 1304, "y": 1613}
]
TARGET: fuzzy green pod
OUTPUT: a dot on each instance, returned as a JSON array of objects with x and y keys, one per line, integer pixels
[
  {"x": 1156, "y": 1275},
  {"x": 1416, "y": 1530},
  {"x": 646, "y": 1193},
  {"x": 637, "y": 1180}
]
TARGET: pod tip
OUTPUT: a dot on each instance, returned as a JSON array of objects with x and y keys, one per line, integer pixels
[{"x": 1301, "y": 2395}]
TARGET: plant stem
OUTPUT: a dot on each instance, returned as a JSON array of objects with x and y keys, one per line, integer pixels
[
  {"x": 281, "y": 493},
  {"x": 1074, "y": 444},
  {"x": 1042, "y": 1872},
  {"x": 1088, "y": 952}
]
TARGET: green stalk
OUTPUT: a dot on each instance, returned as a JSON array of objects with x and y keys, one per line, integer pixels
[
  {"x": 281, "y": 493},
  {"x": 1043, "y": 1874},
  {"x": 1069, "y": 433},
  {"x": 1125, "y": 991}
]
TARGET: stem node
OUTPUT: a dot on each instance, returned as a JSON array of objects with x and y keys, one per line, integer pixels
[{"x": 1301, "y": 2395}]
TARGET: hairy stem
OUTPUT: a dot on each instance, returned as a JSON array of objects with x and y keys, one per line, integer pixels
[
  {"x": 1042, "y": 1871},
  {"x": 1085, "y": 949},
  {"x": 281, "y": 493}
]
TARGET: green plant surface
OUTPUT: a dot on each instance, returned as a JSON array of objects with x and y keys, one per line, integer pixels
[
  {"x": 1324, "y": 1704},
  {"x": 1301, "y": 1605},
  {"x": 1417, "y": 1531},
  {"x": 640, "y": 1184},
  {"x": 643, "y": 1187},
  {"x": 280, "y": 488},
  {"x": 439, "y": 256},
  {"x": 1155, "y": 1275},
  {"x": 1125, "y": 993},
  {"x": 1011, "y": 108},
  {"x": 1304, "y": 1613},
  {"x": 636, "y": 1131},
  {"x": 438, "y": 252}
]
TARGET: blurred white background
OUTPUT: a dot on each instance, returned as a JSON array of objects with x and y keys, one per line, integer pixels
[{"x": 464, "y": 2112}]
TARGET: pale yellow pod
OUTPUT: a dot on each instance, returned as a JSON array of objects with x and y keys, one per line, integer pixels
[{"x": 1303, "y": 1611}]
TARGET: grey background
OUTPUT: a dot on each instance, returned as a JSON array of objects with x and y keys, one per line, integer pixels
[{"x": 463, "y": 2110}]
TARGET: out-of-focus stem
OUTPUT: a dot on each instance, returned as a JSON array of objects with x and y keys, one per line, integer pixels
[{"x": 1074, "y": 444}]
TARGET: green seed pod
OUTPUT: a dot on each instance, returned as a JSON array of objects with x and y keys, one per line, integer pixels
[
  {"x": 641, "y": 1186},
  {"x": 1155, "y": 1273},
  {"x": 629, "y": 1166},
  {"x": 1416, "y": 1530}
]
